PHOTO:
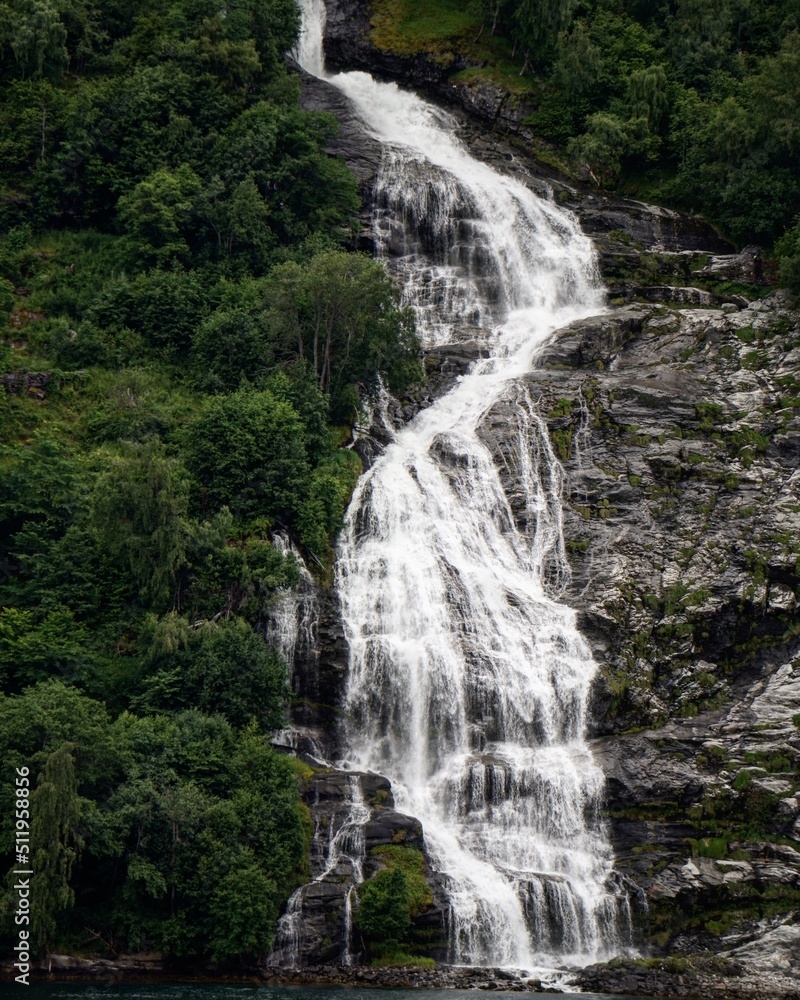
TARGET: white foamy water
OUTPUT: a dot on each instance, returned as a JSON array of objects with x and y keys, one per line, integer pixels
[{"x": 468, "y": 682}]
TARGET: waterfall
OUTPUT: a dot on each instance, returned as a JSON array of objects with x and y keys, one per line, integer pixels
[{"x": 468, "y": 682}]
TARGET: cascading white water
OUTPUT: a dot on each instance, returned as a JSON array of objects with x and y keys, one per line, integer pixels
[{"x": 468, "y": 682}]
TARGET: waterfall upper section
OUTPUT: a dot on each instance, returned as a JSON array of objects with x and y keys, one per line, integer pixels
[{"x": 468, "y": 682}]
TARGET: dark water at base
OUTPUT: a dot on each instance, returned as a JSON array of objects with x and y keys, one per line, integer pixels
[{"x": 223, "y": 991}]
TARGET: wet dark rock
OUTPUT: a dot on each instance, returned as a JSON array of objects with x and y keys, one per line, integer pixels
[
  {"x": 352, "y": 143},
  {"x": 404, "y": 977},
  {"x": 704, "y": 978},
  {"x": 389, "y": 827}
]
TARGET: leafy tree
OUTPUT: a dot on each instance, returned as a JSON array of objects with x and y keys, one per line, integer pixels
[
  {"x": 579, "y": 66},
  {"x": 787, "y": 251},
  {"x": 342, "y": 311},
  {"x": 602, "y": 147},
  {"x": 41, "y": 720},
  {"x": 138, "y": 508},
  {"x": 55, "y": 811},
  {"x": 164, "y": 306},
  {"x": 222, "y": 667},
  {"x": 700, "y": 38},
  {"x": 6, "y": 300},
  {"x": 538, "y": 24},
  {"x": 232, "y": 344},
  {"x": 279, "y": 154},
  {"x": 242, "y": 910},
  {"x": 247, "y": 452},
  {"x": 34, "y": 31},
  {"x": 234, "y": 573},
  {"x": 322, "y": 510},
  {"x": 647, "y": 96},
  {"x": 158, "y": 212},
  {"x": 34, "y": 647}
]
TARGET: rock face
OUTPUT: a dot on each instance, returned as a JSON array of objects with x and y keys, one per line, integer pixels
[
  {"x": 357, "y": 833},
  {"x": 678, "y": 430}
]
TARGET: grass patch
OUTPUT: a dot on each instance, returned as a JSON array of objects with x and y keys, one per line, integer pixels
[
  {"x": 443, "y": 30},
  {"x": 396, "y": 958},
  {"x": 411, "y": 863}
]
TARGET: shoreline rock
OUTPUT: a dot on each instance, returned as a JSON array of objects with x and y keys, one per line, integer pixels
[{"x": 664, "y": 979}]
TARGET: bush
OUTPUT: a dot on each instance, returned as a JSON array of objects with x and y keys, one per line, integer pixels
[
  {"x": 247, "y": 452},
  {"x": 384, "y": 910},
  {"x": 787, "y": 253}
]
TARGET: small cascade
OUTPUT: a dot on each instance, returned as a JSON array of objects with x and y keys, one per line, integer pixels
[
  {"x": 468, "y": 682},
  {"x": 292, "y": 617},
  {"x": 337, "y": 858},
  {"x": 583, "y": 433}
]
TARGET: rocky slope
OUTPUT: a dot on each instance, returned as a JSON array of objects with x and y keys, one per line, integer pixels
[
  {"x": 676, "y": 417},
  {"x": 677, "y": 427}
]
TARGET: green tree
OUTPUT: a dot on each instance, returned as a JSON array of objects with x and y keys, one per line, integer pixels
[
  {"x": 233, "y": 344},
  {"x": 578, "y": 67},
  {"x": 138, "y": 509},
  {"x": 6, "y": 300},
  {"x": 700, "y": 39},
  {"x": 280, "y": 153},
  {"x": 223, "y": 667},
  {"x": 247, "y": 452},
  {"x": 35, "y": 646},
  {"x": 242, "y": 909},
  {"x": 157, "y": 214},
  {"x": 538, "y": 24},
  {"x": 646, "y": 96},
  {"x": 36, "y": 35},
  {"x": 55, "y": 811},
  {"x": 342, "y": 311},
  {"x": 164, "y": 305}
]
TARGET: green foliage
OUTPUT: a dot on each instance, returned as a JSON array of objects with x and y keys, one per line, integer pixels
[
  {"x": 384, "y": 909},
  {"x": 157, "y": 214},
  {"x": 6, "y": 300},
  {"x": 221, "y": 668},
  {"x": 411, "y": 863},
  {"x": 163, "y": 197},
  {"x": 388, "y": 904},
  {"x": 177, "y": 834},
  {"x": 695, "y": 102},
  {"x": 138, "y": 509},
  {"x": 34, "y": 646},
  {"x": 55, "y": 810},
  {"x": 247, "y": 451},
  {"x": 787, "y": 252},
  {"x": 340, "y": 313}
]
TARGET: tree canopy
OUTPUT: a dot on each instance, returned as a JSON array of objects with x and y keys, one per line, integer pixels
[{"x": 170, "y": 408}]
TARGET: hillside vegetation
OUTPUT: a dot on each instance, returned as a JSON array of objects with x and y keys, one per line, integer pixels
[{"x": 185, "y": 340}]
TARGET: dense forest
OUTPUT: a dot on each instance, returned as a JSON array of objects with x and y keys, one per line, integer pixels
[
  {"x": 186, "y": 343},
  {"x": 188, "y": 339}
]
